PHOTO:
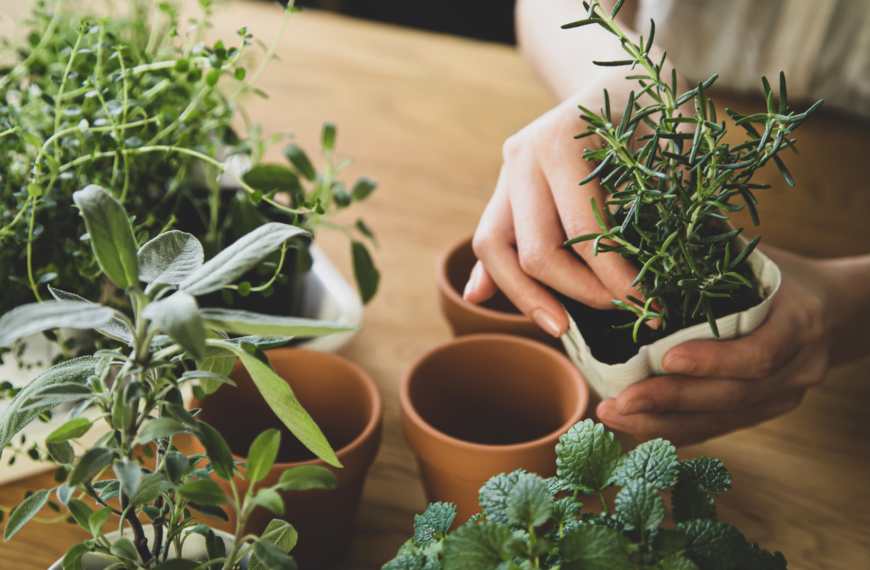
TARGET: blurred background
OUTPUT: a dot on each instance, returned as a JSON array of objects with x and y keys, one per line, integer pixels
[{"x": 491, "y": 20}]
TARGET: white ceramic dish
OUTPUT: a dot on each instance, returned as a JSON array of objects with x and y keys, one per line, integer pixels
[
  {"x": 608, "y": 380},
  {"x": 194, "y": 548}
]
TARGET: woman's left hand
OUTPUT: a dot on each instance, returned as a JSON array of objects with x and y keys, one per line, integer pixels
[{"x": 716, "y": 387}]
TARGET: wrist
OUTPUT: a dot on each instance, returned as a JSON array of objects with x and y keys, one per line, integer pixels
[{"x": 843, "y": 285}]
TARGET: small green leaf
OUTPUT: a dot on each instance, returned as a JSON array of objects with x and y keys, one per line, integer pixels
[
  {"x": 477, "y": 547},
  {"x": 366, "y": 274},
  {"x": 272, "y": 557},
  {"x": 81, "y": 512},
  {"x": 111, "y": 235},
  {"x": 176, "y": 464},
  {"x": 493, "y": 497},
  {"x": 151, "y": 487},
  {"x": 529, "y": 502},
  {"x": 72, "y": 560},
  {"x": 62, "y": 452},
  {"x": 594, "y": 547},
  {"x": 90, "y": 463},
  {"x": 202, "y": 492},
  {"x": 587, "y": 456},
  {"x": 708, "y": 473},
  {"x": 169, "y": 258},
  {"x": 327, "y": 135},
  {"x": 713, "y": 546},
  {"x": 269, "y": 499},
  {"x": 653, "y": 461},
  {"x": 97, "y": 519},
  {"x": 279, "y": 533},
  {"x": 179, "y": 317},
  {"x": 300, "y": 160},
  {"x": 34, "y": 190},
  {"x": 262, "y": 455},
  {"x": 305, "y": 477},
  {"x": 434, "y": 523},
  {"x": 123, "y": 548},
  {"x": 216, "y": 449},
  {"x": 158, "y": 428},
  {"x": 640, "y": 506},
  {"x": 269, "y": 177},
  {"x": 363, "y": 188},
  {"x": 72, "y": 429},
  {"x": 24, "y": 512},
  {"x": 690, "y": 502},
  {"x": 130, "y": 476}
]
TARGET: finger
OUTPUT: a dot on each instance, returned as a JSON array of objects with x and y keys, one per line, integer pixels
[
  {"x": 685, "y": 428},
  {"x": 480, "y": 286},
  {"x": 494, "y": 244},
  {"x": 564, "y": 166},
  {"x": 756, "y": 355},
  {"x": 540, "y": 239}
]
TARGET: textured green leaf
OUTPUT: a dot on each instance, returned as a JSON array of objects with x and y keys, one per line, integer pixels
[
  {"x": 269, "y": 499},
  {"x": 262, "y": 455},
  {"x": 712, "y": 545},
  {"x": 271, "y": 556},
  {"x": 129, "y": 476},
  {"x": 89, "y": 464},
  {"x": 529, "y": 501},
  {"x": 24, "y": 512},
  {"x": 708, "y": 473},
  {"x": 239, "y": 258},
  {"x": 653, "y": 461},
  {"x": 123, "y": 548},
  {"x": 566, "y": 510},
  {"x": 678, "y": 562},
  {"x": 493, "y": 497},
  {"x": 639, "y": 506},
  {"x": 587, "y": 456},
  {"x": 364, "y": 271},
  {"x": 202, "y": 492},
  {"x": 283, "y": 402},
  {"x": 759, "y": 559},
  {"x": 434, "y": 523},
  {"x": 305, "y": 477},
  {"x": 157, "y": 428},
  {"x": 216, "y": 449},
  {"x": 151, "y": 487},
  {"x": 690, "y": 502},
  {"x": 62, "y": 452},
  {"x": 180, "y": 318},
  {"x": 97, "y": 519},
  {"x": 244, "y": 322},
  {"x": 30, "y": 319},
  {"x": 55, "y": 394},
  {"x": 81, "y": 512},
  {"x": 111, "y": 235},
  {"x": 176, "y": 464},
  {"x": 72, "y": 429},
  {"x": 210, "y": 511},
  {"x": 477, "y": 547},
  {"x": 593, "y": 547},
  {"x": 409, "y": 557},
  {"x": 169, "y": 258}
]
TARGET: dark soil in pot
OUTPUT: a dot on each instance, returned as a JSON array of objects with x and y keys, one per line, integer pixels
[{"x": 616, "y": 346}]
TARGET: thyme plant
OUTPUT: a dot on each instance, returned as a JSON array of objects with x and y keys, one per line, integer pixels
[
  {"x": 672, "y": 188},
  {"x": 167, "y": 344},
  {"x": 531, "y": 522},
  {"x": 138, "y": 103}
]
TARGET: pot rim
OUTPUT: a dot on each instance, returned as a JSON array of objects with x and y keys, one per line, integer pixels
[
  {"x": 407, "y": 408},
  {"x": 447, "y": 288},
  {"x": 371, "y": 388}
]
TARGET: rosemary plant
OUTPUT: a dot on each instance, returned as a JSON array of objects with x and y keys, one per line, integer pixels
[
  {"x": 672, "y": 188},
  {"x": 168, "y": 344},
  {"x": 138, "y": 103}
]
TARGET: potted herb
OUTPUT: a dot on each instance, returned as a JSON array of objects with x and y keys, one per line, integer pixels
[
  {"x": 140, "y": 104},
  {"x": 168, "y": 343},
  {"x": 671, "y": 191},
  {"x": 531, "y": 522}
]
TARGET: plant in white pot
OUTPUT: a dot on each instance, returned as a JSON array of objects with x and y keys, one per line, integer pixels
[
  {"x": 672, "y": 180},
  {"x": 168, "y": 343}
]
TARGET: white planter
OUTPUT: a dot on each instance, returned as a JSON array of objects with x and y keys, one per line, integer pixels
[
  {"x": 194, "y": 548},
  {"x": 608, "y": 380}
]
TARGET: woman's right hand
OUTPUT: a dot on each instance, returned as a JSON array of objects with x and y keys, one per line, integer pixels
[{"x": 537, "y": 205}]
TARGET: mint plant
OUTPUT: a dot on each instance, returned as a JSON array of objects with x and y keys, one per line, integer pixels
[
  {"x": 671, "y": 188},
  {"x": 140, "y": 104},
  {"x": 531, "y": 522},
  {"x": 136, "y": 389}
]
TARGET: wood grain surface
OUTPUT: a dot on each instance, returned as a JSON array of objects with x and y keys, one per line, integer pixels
[{"x": 426, "y": 116}]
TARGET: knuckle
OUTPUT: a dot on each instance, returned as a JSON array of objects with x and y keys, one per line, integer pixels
[
  {"x": 482, "y": 244},
  {"x": 766, "y": 360},
  {"x": 513, "y": 147},
  {"x": 533, "y": 260},
  {"x": 812, "y": 319}
]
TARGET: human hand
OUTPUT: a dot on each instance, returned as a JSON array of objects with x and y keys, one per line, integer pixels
[
  {"x": 537, "y": 205},
  {"x": 717, "y": 387}
]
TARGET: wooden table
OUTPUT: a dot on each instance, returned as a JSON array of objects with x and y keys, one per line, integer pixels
[{"x": 426, "y": 115}]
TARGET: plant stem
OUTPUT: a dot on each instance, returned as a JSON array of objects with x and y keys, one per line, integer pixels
[
  {"x": 49, "y": 32},
  {"x": 30, "y": 251}
]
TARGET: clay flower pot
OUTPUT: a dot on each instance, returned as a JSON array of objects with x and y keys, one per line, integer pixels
[
  {"x": 496, "y": 315},
  {"x": 486, "y": 404},
  {"x": 346, "y": 404}
]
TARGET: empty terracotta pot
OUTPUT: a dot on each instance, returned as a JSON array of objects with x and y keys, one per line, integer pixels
[
  {"x": 486, "y": 404},
  {"x": 496, "y": 315},
  {"x": 346, "y": 404}
]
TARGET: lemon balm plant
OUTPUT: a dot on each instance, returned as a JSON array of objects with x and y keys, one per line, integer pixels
[
  {"x": 531, "y": 522},
  {"x": 672, "y": 181},
  {"x": 169, "y": 342},
  {"x": 140, "y": 104}
]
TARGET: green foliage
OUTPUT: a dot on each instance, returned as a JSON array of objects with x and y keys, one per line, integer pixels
[
  {"x": 504, "y": 536},
  {"x": 672, "y": 188},
  {"x": 136, "y": 388},
  {"x": 139, "y": 104}
]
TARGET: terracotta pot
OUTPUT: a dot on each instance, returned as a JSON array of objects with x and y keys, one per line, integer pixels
[
  {"x": 346, "y": 404},
  {"x": 486, "y": 404},
  {"x": 496, "y": 315}
]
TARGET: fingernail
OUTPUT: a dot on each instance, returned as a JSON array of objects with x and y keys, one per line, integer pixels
[
  {"x": 639, "y": 406},
  {"x": 473, "y": 280},
  {"x": 679, "y": 365},
  {"x": 547, "y": 322}
]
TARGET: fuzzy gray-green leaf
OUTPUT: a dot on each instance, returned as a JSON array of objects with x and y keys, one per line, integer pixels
[
  {"x": 170, "y": 258},
  {"x": 247, "y": 323},
  {"x": 179, "y": 317},
  {"x": 111, "y": 235},
  {"x": 34, "y": 318},
  {"x": 24, "y": 512}
]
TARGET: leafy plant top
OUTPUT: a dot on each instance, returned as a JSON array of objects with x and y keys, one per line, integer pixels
[
  {"x": 672, "y": 179},
  {"x": 531, "y": 522},
  {"x": 137, "y": 389}
]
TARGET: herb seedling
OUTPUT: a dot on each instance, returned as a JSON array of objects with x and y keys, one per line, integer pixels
[
  {"x": 671, "y": 188},
  {"x": 531, "y": 522},
  {"x": 167, "y": 344}
]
